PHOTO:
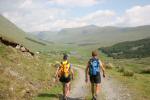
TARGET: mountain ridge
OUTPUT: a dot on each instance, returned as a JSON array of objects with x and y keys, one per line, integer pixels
[{"x": 107, "y": 34}]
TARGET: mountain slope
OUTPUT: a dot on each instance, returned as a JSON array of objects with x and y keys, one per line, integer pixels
[
  {"x": 11, "y": 32},
  {"x": 23, "y": 75},
  {"x": 103, "y": 35}
]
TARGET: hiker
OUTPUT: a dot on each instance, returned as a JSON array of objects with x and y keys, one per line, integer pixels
[
  {"x": 93, "y": 72},
  {"x": 64, "y": 73}
]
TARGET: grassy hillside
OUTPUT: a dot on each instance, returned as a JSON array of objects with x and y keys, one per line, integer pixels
[
  {"x": 98, "y": 35},
  {"x": 22, "y": 75},
  {"x": 11, "y": 32},
  {"x": 139, "y": 83},
  {"x": 129, "y": 49}
]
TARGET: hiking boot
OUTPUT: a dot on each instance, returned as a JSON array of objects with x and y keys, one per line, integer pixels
[
  {"x": 94, "y": 98},
  {"x": 65, "y": 98}
]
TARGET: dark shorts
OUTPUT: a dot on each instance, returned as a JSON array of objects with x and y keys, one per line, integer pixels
[
  {"x": 65, "y": 79},
  {"x": 95, "y": 79}
]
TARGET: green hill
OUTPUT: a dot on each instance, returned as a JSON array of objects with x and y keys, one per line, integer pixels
[
  {"x": 129, "y": 49},
  {"x": 11, "y": 32},
  {"x": 23, "y": 75},
  {"x": 97, "y": 35}
]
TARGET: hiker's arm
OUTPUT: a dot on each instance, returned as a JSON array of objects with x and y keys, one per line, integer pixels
[
  {"x": 86, "y": 72},
  {"x": 72, "y": 73},
  {"x": 56, "y": 73},
  {"x": 102, "y": 67}
]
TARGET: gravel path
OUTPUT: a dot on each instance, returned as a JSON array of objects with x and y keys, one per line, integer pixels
[
  {"x": 111, "y": 89},
  {"x": 80, "y": 88},
  {"x": 114, "y": 91}
]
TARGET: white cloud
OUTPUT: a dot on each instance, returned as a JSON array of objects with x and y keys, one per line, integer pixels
[
  {"x": 26, "y": 4},
  {"x": 31, "y": 15},
  {"x": 67, "y": 24},
  {"x": 138, "y": 15},
  {"x": 101, "y": 17},
  {"x": 76, "y": 2},
  {"x": 135, "y": 16}
]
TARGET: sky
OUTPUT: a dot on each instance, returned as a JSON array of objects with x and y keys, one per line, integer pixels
[{"x": 54, "y": 15}]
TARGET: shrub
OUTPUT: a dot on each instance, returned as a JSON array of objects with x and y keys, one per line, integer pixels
[
  {"x": 128, "y": 73},
  {"x": 146, "y": 70},
  {"x": 108, "y": 65},
  {"x": 121, "y": 69}
]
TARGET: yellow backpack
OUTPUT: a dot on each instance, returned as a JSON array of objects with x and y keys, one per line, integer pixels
[{"x": 65, "y": 68}]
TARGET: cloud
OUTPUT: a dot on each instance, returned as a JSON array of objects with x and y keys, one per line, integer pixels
[
  {"x": 26, "y": 4},
  {"x": 135, "y": 16},
  {"x": 138, "y": 15},
  {"x": 81, "y": 3},
  {"x": 31, "y": 15},
  {"x": 100, "y": 17},
  {"x": 66, "y": 24}
]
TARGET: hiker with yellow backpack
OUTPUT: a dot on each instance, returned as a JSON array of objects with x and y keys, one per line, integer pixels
[{"x": 65, "y": 73}]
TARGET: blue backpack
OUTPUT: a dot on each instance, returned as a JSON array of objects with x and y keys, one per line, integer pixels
[{"x": 94, "y": 66}]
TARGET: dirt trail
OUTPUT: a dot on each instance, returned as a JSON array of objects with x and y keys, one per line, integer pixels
[
  {"x": 80, "y": 88},
  {"x": 111, "y": 89},
  {"x": 114, "y": 90}
]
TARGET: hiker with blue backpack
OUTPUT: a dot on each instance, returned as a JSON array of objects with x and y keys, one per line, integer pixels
[{"x": 93, "y": 69}]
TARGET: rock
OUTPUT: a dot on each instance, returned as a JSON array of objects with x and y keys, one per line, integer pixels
[
  {"x": 18, "y": 64},
  {"x": 23, "y": 49},
  {"x": 18, "y": 47},
  {"x": 37, "y": 52},
  {"x": 11, "y": 89}
]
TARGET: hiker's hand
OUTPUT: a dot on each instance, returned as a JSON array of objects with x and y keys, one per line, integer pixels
[
  {"x": 72, "y": 77},
  {"x": 56, "y": 79},
  {"x": 104, "y": 75},
  {"x": 86, "y": 80}
]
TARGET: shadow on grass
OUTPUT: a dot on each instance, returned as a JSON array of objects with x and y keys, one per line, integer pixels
[
  {"x": 69, "y": 98},
  {"x": 60, "y": 96},
  {"x": 48, "y": 95}
]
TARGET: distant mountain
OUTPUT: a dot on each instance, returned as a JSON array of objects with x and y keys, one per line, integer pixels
[
  {"x": 45, "y": 35},
  {"x": 94, "y": 34},
  {"x": 11, "y": 32},
  {"x": 129, "y": 49}
]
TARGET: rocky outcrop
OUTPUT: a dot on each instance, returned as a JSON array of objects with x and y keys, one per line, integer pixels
[{"x": 15, "y": 45}]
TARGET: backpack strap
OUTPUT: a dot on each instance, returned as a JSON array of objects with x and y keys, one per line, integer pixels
[{"x": 94, "y": 59}]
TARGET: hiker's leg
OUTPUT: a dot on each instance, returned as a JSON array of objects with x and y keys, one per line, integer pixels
[
  {"x": 97, "y": 89},
  {"x": 92, "y": 89},
  {"x": 68, "y": 89},
  {"x": 63, "y": 89}
]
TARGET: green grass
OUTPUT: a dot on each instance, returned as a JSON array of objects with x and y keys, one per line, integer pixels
[
  {"x": 2, "y": 49},
  {"x": 50, "y": 94},
  {"x": 138, "y": 85},
  {"x": 23, "y": 72}
]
